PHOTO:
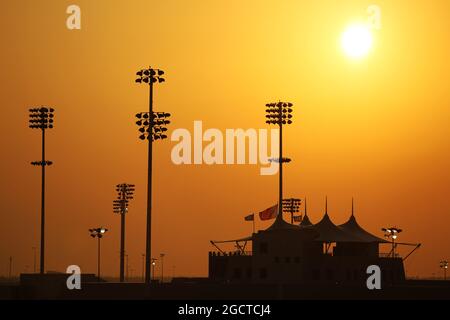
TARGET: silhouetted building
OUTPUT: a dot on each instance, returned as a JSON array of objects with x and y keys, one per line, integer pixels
[{"x": 311, "y": 254}]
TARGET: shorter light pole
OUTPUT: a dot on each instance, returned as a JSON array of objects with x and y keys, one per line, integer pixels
[
  {"x": 392, "y": 233},
  {"x": 125, "y": 193},
  {"x": 162, "y": 255},
  {"x": 444, "y": 266},
  {"x": 98, "y": 233},
  {"x": 153, "y": 267}
]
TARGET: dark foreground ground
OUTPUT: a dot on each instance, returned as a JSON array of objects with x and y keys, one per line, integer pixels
[{"x": 204, "y": 290}]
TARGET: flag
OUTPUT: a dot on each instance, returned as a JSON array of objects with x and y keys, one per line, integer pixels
[
  {"x": 269, "y": 213},
  {"x": 250, "y": 217},
  {"x": 298, "y": 218}
]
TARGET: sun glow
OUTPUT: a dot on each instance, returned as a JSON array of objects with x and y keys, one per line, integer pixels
[{"x": 357, "y": 41}]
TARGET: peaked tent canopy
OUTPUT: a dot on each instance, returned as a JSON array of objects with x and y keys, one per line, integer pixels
[
  {"x": 352, "y": 227},
  {"x": 329, "y": 232},
  {"x": 305, "y": 222},
  {"x": 280, "y": 224}
]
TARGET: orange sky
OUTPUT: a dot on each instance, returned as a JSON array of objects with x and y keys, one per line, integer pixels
[{"x": 376, "y": 129}]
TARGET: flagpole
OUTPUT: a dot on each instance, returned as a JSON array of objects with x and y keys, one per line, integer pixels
[{"x": 254, "y": 218}]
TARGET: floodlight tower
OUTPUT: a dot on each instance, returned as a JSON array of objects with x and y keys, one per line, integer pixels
[
  {"x": 152, "y": 127},
  {"x": 444, "y": 266},
  {"x": 280, "y": 113},
  {"x": 392, "y": 233},
  {"x": 42, "y": 118},
  {"x": 291, "y": 206},
  {"x": 120, "y": 206},
  {"x": 98, "y": 233}
]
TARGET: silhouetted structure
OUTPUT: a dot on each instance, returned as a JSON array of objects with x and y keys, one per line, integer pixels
[
  {"x": 307, "y": 254},
  {"x": 98, "y": 233},
  {"x": 279, "y": 113},
  {"x": 42, "y": 118},
  {"x": 120, "y": 205},
  {"x": 152, "y": 127},
  {"x": 392, "y": 233},
  {"x": 444, "y": 266}
]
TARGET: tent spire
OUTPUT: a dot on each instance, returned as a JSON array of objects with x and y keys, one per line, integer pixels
[
  {"x": 306, "y": 208},
  {"x": 326, "y": 204},
  {"x": 352, "y": 208},
  {"x": 305, "y": 220}
]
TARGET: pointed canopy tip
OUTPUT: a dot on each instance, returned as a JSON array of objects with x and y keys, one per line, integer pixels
[
  {"x": 352, "y": 227},
  {"x": 352, "y": 208},
  {"x": 280, "y": 224},
  {"x": 329, "y": 232},
  {"x": 305, "y": 221}
]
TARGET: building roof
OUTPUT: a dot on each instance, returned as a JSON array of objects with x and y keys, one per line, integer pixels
[
  {"x": 352, "y": 227},
  {"x": 280, "y": 224},
  {"x": 329, "y": 232}
]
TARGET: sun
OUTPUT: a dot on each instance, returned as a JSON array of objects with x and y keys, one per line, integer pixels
[{"x": 357, "y": 41}]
